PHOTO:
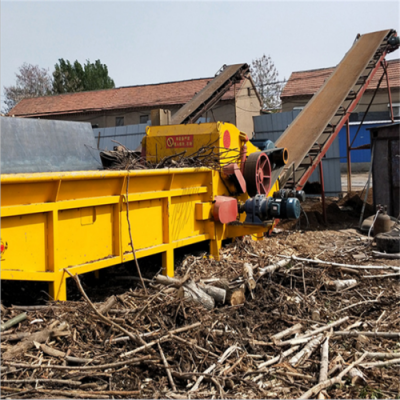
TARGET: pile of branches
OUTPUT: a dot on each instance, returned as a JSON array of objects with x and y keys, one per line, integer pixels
[
  {"x": 251, "y": 325},
  {"x": 208, "y": 156}
]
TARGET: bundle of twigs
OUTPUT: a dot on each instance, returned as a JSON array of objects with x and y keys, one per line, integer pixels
[{"x": 208, "y": 156}]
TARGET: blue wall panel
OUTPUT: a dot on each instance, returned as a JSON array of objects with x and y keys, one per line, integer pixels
[{"x": 357, "y": 156}]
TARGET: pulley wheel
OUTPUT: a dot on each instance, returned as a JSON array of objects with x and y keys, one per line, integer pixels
[{"x": 257, "y": 174}]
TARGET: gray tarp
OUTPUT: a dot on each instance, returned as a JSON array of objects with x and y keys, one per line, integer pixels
[{"x": 38, "y": 145}]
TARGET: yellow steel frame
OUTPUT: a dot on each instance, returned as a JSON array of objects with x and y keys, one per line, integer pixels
[{"x": 78, "y": 220}]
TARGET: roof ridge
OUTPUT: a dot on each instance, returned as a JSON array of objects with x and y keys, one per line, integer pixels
[
  {"x": 326, "y": 68},
  {"x": 115, "y": 89},
  {"x": 164, "y": 83}
]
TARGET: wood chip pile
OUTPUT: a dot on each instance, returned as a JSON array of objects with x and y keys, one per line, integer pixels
[{"x": 270, "y": 320}]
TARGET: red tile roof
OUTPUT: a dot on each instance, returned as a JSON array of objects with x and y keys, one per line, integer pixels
[
  {"x": 306, "y": 83},
  {"x": 162, "y": 94}
]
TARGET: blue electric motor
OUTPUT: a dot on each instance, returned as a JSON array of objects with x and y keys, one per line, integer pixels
[{"x": 261, "y": 208}]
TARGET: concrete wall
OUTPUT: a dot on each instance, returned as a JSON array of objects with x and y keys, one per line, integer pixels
[
  {"x": 380, "y": 103},
  {"x": 247, "y": 106}
]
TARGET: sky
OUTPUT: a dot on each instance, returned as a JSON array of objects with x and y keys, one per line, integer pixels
[{"x": 144, "y": 42}]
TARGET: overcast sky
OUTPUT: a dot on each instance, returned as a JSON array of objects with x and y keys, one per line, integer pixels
[{"x": 151, "y": 42}]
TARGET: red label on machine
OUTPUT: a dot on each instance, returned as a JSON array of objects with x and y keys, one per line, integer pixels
[{"x": 179, "y": 141}]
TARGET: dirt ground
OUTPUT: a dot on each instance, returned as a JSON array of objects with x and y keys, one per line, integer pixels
[{"x": 220, "y": 352}]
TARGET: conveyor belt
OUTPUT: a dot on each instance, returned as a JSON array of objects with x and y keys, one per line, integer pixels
[
  {"x": 210, "y": 94},
  {"x": 312, "y": 132}
]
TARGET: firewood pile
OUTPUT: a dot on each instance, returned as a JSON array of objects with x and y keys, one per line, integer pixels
[{"x": 299, "y": 315}]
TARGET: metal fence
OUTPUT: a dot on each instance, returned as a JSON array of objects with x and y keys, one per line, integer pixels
[{"x": 271, "y": 126}]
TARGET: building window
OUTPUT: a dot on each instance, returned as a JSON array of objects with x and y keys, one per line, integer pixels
[
  {"x": 144, "y": 119},
  {"x": 119, "y": 121},
  {"x": 396, "y": 110}
]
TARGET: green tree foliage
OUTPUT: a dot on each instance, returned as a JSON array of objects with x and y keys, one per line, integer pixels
[
  {"x": 32, "y": 81},
  {"x": 69, "y": 78},
  {"x": 266, "y": 80}
]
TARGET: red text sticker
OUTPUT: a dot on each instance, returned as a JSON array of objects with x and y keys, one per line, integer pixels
[{"x": 179, "y": 141}]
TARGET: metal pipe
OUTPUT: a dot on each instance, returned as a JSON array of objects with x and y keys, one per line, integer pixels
[
  {"x": 348, "y": 157},
  {"x": 321, "y": 179},
  {"x": 366, "y": 192}
]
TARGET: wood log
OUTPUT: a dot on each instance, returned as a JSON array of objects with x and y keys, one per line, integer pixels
[
  {"x": 356, "y": 304},
  {"x": 66, "y": 382},
  {"x": 380, "y": 364},
  {"x": 308, "y": 335},
  {"x": 272, "y": 268},
  {"x": 171, "y": 380},
  {"x": 236, "y": 297},
  {"x": 166, "y": 280},
  {"x": 333, "y": 264},
  {"x": 326, "y": 327},
  {"x": 218, "y": 294},
  {"x": 31, "y": 308},
  {"x": 393, "y": 256},
  {"x": 278, "y": 358},
  {"x": 356, "y": 376},
  {"x": 335, "y": 368},
  {"x": 248, "y": 276},
  {"x": 387, "y": 335},
  {"x": 50, "y": 351},
  {"x": 227, "y": 353},
  {"x": 287, "y": 332},
  {"x": 15, "y": 336},
  {"x": 108, "y": 304},
  {"x": 323, "y": 372},
  {"x": 382, "y": 356},
  {"x": 308, "y": 349},
  {"x": 56, "y": 353},
  {"x": 13, "y": 321},
  {"x": 381, "y": 276},
  {"x": 191, "y": 292},
  {"x": 341, "y": 284}
]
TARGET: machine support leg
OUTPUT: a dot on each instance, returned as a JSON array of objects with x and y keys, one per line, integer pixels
[
  {"x": 348, "y": 157},
  {"x": 168, "y": 263},
  {"x": 257, "y": 236},
  {"x": 215, "y": 246},
  {"x": 321, "y": 178},
  {"x": 58, "y": 288}
]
